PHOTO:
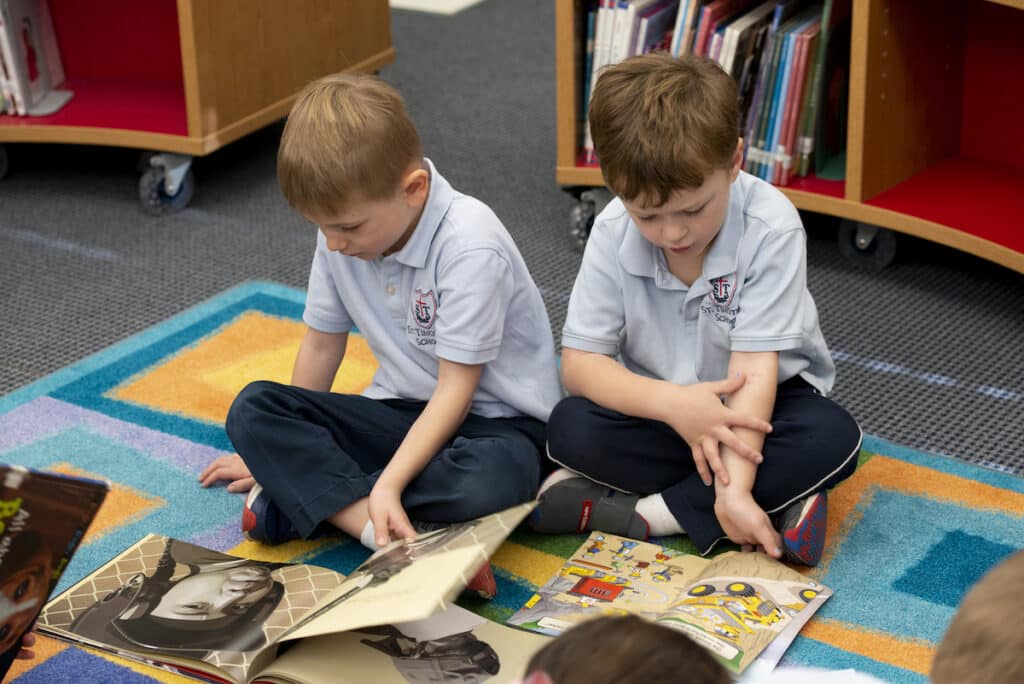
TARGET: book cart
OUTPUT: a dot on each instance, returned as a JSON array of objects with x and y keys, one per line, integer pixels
[
  {"x": 182, "y": 78},
  {"x": 933, "y": 142}
]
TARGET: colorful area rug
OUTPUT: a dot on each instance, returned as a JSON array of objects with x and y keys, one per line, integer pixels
[{"x": 908, "y": 533}]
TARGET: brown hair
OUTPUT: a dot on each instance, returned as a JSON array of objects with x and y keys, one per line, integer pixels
[
  {"x": 662, "y": 124},
  {"x": 626, "y": 650},
  {"x": 348, "y": 138},
  {"x": 983, "y": 643}
]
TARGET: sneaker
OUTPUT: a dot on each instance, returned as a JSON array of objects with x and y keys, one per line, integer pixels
[
  {"x": 576, "y": 504},
  {"x": 802, "y": 527},
  {"x": 483, "y": 583},
  {"x": 263, "y": 521}
]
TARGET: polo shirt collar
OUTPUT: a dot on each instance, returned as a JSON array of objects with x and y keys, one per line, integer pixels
[{"x": 439, "y": 199}]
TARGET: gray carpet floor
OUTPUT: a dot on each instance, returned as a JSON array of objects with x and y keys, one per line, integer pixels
[{"x": 929, "y": 351}]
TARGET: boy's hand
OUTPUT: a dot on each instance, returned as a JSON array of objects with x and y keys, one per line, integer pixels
[
  {"x": 28, "y": 640},
  {"x": 704, "y": 422},
  {"x": 746, "y": 523},
  {"x": 231, "y": 468},
  {"x": 387, "y": 514}
]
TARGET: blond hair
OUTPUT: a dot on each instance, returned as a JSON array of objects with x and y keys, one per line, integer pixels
[
  {"x": 348, "y": 138},
  {"x": 983, "y": 642},
  {"x": 662, "y": 124}
]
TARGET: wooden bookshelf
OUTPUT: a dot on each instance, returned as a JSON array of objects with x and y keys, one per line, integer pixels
[
  {"x": 190, "y": 76},
  {"x": 934, "y": 104}
]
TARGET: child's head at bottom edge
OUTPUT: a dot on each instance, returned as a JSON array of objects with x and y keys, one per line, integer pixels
[
  {"x": 351, "y": 162},
  {"x": 623, "y": 650},
  {"x": 983, "y": 642}
]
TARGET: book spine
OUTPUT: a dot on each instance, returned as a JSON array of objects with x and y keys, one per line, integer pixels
[
  {"x": 807, "y": 137},
  {"x": 16, "y": 85}
]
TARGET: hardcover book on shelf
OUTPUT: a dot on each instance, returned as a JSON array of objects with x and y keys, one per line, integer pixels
[
  {"x": 222, "y": 618},
  {"x": 686, "y": 21},
  {"x": 32, "y": 57},
  {"x": 786, "y": 154},
  {"x": 43, "y": 517},
  {"x": 739, "y": 34},
  {"x": 746, "y": 608},
  {"x": 654, "y": 23}
]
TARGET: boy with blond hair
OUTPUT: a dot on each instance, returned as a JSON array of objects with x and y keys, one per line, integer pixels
[
  {"x": 452, "y": 426},
  {"x": 716, "y": 421}
]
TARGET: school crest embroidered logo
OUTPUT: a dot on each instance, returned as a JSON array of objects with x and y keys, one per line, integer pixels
[
  {"x": 424, "y": 308},
  {"x": 723, "y": 289}
]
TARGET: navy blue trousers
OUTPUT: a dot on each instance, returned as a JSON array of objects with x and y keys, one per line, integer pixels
[
  {"x": 315, "y": 453},
  {"x": 813, "y": 445}
]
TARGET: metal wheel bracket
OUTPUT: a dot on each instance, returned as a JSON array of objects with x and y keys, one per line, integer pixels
[
  {"x": 175, "y": 167},
  {"x": 864, "y": 235}
]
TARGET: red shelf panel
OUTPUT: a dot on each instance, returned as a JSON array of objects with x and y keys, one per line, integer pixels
[
  {"x": 977, "y": 197},
  {"x": 153, "y": 107},
  {"x": 818, "y": 186}
]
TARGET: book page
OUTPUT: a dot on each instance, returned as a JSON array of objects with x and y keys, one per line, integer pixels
[
  {"x": 608, "y": 573},
  {"x": 167, "y": 601},
  {"x": 742, "y": 603},
  {"x": 734, "y": 605},
  {"x": 455, "y": 645}
]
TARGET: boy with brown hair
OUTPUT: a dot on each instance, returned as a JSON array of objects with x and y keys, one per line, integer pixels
[
  {"x": 452, "y": 426},
  {"x": 983, "y": 642},
  {"x": 716, "y": 421}
]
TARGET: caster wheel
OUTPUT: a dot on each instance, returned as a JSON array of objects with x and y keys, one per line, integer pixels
[
  {"x": 154, "y": 197},
  {"x": 581, "y": 220},
  {"x": 866, "y": 246},
  {"x": 3, "y": 161}
]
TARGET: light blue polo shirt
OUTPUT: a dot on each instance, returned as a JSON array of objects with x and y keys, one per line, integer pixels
[
  {"x": 752, "y": 296},
  {"x": 457, "y": 290}
]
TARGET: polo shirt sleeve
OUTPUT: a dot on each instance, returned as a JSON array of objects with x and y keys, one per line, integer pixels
[
  {"x": 596, "y": 315},
  {"x": 475, "y": 289},
  {"x": 771, "y": 303},
  {"x": 324, "y": 309}
]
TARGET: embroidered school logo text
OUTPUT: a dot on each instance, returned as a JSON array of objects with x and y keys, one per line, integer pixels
[
  {"x": 722, "y": 289},
  {"x": 424, "y": 308}
]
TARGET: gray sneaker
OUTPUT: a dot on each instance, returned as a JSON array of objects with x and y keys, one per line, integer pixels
[{"x": 578, "y": 505}]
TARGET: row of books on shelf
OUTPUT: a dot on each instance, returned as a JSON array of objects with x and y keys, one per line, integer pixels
[
  {"x": 790, "y": 60},
  {"x": 30, "y": 65}
]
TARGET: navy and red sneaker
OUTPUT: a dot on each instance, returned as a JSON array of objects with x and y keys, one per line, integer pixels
[
  {"x": 483, "y": 583},
  {"x": 263, "y": 521},
  {"x": 802, "y": 527}
]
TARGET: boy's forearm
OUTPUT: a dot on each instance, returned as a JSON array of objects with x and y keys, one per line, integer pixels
[
  {"x": 320, "y": 354},
  {"x": 606, "y": 382},
  {"x": 441, "y": 417},
  {"x": 755, "y": 398}
]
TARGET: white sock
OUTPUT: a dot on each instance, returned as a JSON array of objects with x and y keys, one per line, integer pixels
[
  {"x": 555, "y": 478},
  {"x": 366, "y": 537},
  {"x": 655, "y": 511}
]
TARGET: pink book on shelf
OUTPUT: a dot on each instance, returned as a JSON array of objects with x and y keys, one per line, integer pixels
[
  {"x": 710, "y": 16},
  {"x": 806, "y": 41}
]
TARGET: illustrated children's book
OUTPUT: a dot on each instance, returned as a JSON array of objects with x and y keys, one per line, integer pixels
[
  {"x": 223, "y": 618},
  {"x": 43, "y": 517},
  {"x": 738, "y": 605}
]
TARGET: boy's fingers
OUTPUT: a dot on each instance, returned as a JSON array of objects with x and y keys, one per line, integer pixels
[
  {"x": 742, "y": 449},
  {"x": 770, "y": 540},
  {"x": 710, "y": 448},
  {"x": 242, "y": 485},
  {"x": 730, "y": 384},
  {"x": 702, "y": 465}
]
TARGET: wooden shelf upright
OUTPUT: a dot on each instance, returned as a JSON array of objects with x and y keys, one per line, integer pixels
[
  {"x": 189, "y": 76},
  {"x": 933, "y": 148}
]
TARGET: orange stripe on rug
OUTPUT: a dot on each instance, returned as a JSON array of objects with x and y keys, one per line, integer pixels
[{"x": 909, "y": 654}]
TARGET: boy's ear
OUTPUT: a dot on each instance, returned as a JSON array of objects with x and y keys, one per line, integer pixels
[
  {"x": 737, "y": 161},
  {"x": 538, "y": 677},
  {"x": 416, "y": 186}
]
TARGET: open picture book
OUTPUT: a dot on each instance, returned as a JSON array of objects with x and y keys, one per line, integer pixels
[
  {"x": 744, "y": 607},
  {"x": 222, "y": 618}
]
